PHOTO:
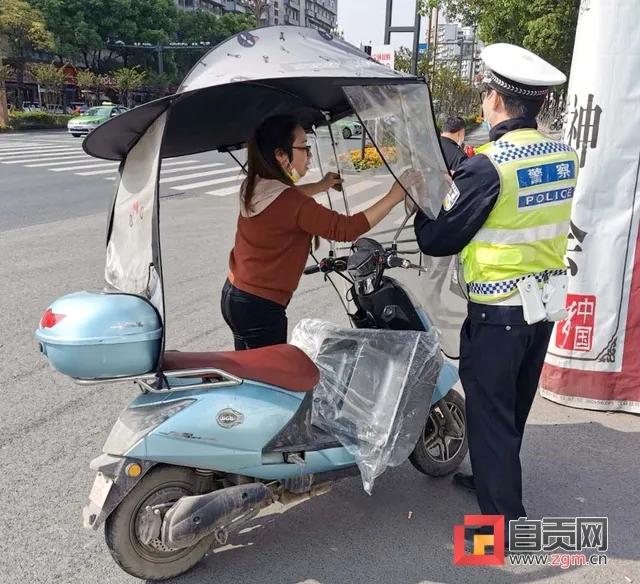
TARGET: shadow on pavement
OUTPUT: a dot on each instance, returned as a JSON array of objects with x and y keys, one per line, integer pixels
[{"x": 347, "y": 537}]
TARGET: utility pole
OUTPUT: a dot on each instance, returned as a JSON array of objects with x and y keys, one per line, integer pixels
[
  {"x": 472, "y": 59},
  {"x": 415, "y": 29},
  {"x": 435, "y": 39}
]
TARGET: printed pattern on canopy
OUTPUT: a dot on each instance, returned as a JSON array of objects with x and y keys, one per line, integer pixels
[{"x": 236, "y": 85}]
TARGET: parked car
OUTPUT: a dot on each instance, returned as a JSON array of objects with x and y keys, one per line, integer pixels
[
  {"x": 350, "y": 129},
  {"x": 31, "y": 106},
  {"x": 92, "y": 118},
  {"x": 55, "y": 109}
]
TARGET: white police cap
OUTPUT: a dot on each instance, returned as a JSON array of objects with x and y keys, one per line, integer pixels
[{"x": 515, "y": 71}]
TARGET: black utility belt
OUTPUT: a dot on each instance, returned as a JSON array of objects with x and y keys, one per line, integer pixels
[{"x": 490, "y": 314}]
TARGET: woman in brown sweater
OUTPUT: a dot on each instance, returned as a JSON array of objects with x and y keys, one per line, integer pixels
[{"x": 277, "y": 223}]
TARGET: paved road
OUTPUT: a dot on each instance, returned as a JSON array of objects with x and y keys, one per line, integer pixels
[{"x": 52, "y": 242}]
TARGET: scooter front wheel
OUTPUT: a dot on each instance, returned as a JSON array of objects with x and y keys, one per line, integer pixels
[
  {"x": 152, "y": 560},
  {"x": 442, "y": 448}
]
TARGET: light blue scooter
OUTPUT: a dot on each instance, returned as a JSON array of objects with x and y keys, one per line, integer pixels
[{"x": 224, "y": 435}]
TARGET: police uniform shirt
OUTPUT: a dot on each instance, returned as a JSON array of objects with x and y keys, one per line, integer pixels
[
  {"x": 454, "y": 155},
  {"x": 465, "y": 210}
]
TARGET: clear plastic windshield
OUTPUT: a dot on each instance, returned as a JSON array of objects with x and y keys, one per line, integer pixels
[
  {"x": 398, "y": 126},
  {"x": 399, "y": 120}
]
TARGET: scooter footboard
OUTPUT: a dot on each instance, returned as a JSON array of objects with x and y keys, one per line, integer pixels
[{"x": 111, "y": 485}]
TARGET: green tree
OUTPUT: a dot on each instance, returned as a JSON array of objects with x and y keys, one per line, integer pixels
[
  {"x": 551, "y": 34},
  {"x": 51, "y": 79},
  {"x": 23, "y": 30},
  {"x": 158, "y": 83},
  {"x": 197, "y": 26},
  {"x": 126, "y": 80},
  {"x": 90, "y": 28},
  {"x": 403, "y": 62},
  {"x": 546, "y": 27},
  {"x": 89, "y": 84},
  {"x": 257, "y": 9},
  {"x": 450, "y": 93}
]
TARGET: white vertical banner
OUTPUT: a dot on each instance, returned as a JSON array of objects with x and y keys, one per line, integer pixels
[{"x": 592, "y": 360}]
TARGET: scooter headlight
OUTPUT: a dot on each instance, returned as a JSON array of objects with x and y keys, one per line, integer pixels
[{"x": 135, "y": 423}]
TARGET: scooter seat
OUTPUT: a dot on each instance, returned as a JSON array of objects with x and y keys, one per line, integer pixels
[{"x": 284, "y": 366}]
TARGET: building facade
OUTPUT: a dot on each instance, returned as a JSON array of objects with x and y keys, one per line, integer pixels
[
  {"x": 318, "y": 14},
  {"x": 459, "y": 49},
  {"x": 213, "y": 6}
]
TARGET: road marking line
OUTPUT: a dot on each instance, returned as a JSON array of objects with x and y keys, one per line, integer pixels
[
  {"x": 83, "y": 166},
  {"x": 46, "y": 154},
  {"x": 95, "y": 172},
  {"x": 67, "y": 161},
  {"x": 198, "y": 175},
  {"x": 359, "y": 187},
  {"x": 56, "y": 158},
  {"x": 225, "y": 192},
  {"x": 33, "y": 149},
  {"x": 175, "y": 162},
  {"x": 196, "y": 167},
  {"x": 207, "y": 183}
]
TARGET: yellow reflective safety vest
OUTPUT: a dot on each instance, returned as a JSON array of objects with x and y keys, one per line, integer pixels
[{"x": 526, "y": 231}]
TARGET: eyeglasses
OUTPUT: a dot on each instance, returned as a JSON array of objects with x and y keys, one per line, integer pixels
[{"x": 306, "y": 147}]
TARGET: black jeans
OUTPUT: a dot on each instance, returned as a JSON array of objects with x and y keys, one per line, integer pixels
[
  {"x": 501, "y": 358},
  {"x": 255, "y": 322}
]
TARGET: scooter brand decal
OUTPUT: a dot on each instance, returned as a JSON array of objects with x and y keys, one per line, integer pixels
[{"x": 228, "y": 418}]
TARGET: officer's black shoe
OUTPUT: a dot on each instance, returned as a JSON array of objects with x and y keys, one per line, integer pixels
[{"x": 465, "y": 481}]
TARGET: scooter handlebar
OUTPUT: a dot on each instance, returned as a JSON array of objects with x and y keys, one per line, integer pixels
[{"x": 311, "y": 270}]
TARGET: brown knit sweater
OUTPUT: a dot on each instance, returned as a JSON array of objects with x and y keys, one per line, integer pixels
[{"x": 271, "y": 248}]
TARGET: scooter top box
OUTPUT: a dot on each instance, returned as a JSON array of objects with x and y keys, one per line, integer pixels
[{"x": 99, "y": 335}]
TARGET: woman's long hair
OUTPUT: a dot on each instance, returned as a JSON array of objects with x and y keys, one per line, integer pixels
[{"x": 275, "y": 133}]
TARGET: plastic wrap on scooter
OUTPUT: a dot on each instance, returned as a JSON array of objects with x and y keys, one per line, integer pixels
[{"x": 375, "y": 389}]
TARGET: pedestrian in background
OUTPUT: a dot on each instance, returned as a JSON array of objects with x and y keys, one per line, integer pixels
[{"x": 451, "y": 139}]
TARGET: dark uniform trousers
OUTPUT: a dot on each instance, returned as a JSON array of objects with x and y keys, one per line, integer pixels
[{"x": 501, "y": 359}]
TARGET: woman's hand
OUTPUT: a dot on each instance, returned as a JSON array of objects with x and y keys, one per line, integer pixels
[{"x": 331, "y": 180}]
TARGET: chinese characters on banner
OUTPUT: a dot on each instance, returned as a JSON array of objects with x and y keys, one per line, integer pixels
[
  {"x": 576, "y": 332},
  {"x": 584, "y": 126}
]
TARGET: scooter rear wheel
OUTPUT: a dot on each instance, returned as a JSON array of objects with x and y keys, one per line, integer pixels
[
  {"x": 438, "y": 452},
  {"x": 153, "y": 561}
]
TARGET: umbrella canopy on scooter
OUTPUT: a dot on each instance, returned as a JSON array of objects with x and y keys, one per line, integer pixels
[{"x": 242, "y": 81}]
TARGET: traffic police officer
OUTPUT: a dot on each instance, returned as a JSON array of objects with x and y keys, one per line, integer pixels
[{"x": 507, "y": 215}]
